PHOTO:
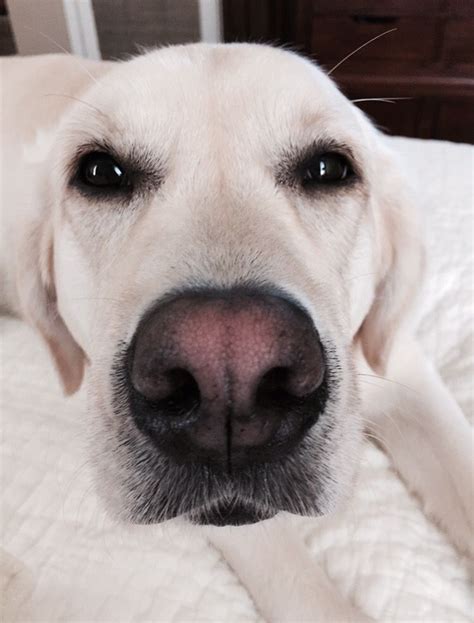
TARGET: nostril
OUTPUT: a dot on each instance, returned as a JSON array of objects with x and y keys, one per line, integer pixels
[
  {"x": 288, "y": 384},
  {"x": 303, "y": 382},
  {"x": 183, "y": 389},
  {"x": 274, "y": 387},
  {"x": 174, "y": 391}
]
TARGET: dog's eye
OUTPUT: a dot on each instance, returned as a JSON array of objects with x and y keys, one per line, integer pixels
[
  {"x": 99, "y": 170},
  {"x": 329, "y": 168}
]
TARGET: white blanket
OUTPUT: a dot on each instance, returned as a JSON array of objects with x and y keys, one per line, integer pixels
[{"x": 66, "y": 561}]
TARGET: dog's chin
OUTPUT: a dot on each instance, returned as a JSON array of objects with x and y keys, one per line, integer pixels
[{"x": 230, "y": 514}]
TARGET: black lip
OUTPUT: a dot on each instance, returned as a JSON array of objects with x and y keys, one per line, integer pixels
[{"x": 231, "y": 515}]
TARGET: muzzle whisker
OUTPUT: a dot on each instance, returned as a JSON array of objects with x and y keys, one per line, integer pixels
[
  {"x": 97, "y": 298},
  {"x": 383, "y": 378},
  {"x": 360, "y": 276}
]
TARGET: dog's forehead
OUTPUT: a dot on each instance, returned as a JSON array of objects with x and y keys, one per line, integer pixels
[{"x": 239, "y": 90}]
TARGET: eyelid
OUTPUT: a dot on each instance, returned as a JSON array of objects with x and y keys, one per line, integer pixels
[
  {"x": 145, "y": 169},
  {"x": 84, "y": 150},
  {"x": 311, "y": 174},
  {"x": 294, "y": 158},
  {"x": 121, "y": 192},
  {"x": 310, "y": 157},
  {"x": 90, "y": 163}
]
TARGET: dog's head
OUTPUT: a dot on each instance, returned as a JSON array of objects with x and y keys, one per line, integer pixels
[{"x": 225, "y": 229}]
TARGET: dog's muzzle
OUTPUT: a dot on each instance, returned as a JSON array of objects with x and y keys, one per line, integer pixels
[{"x": 226, "y": 378}]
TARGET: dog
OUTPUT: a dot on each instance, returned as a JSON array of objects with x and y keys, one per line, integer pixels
[{"x": 226, "y": 244}]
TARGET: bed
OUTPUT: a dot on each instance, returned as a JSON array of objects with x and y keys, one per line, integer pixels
[{"x": 63, "y": 559}]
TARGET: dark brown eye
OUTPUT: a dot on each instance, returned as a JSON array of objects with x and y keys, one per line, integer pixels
[
  {"x": 99, "y": 171},
  {"x": 329, "y": 168}
]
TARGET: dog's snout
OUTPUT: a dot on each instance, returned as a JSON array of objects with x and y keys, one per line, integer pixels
[{"x": 233, "y": 376}]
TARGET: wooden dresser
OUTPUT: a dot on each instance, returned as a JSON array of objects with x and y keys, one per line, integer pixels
[{"x": 429, "y": 58}]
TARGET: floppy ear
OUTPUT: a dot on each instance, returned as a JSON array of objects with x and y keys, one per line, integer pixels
[
  {"x": 399, "y": 257},
  {"x": 38, "y": 304}
]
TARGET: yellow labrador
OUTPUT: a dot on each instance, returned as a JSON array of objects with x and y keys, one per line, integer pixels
[{"x": 225, "y": 243}]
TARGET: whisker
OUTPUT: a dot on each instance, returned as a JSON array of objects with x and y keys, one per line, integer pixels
[
  {"x": 374, "y": 436},
  {"x": 360, "y": 276},
  {"x": 369, "y": 422},
  {"x": 388, "y": 100},
  {"x": 396, "y": 426},
  {"x": 383, "y": 378},
  {"x": 369, "y": 383},
  {"x": 60, "y": 47},
  {"x": 360, "y": 48},
  {"x": 77, "y": 99},
  {"x": 377, "y": 429},
  {"x": 97, "y": 298}
]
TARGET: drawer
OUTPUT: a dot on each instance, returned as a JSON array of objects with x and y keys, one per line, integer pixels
[
  {"x": 7, "y": 43},
  {"x": 458, "y": 49},
  {"x": 460, "y": 7},
  {"x": 380, "y": 8},
  {"x": 413, "y": 43}
]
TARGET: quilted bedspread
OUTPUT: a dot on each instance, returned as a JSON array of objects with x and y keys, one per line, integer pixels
[{"x": 65, "y": 560}]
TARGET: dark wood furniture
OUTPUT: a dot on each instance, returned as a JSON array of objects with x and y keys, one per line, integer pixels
[
  {"x": 429, "y": 58},
  {"x": 7, "y": 45}
]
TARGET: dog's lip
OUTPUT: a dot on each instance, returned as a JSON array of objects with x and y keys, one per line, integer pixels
[{"x": 231, "y": 514}]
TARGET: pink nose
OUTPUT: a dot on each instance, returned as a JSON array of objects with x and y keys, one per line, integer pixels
[{"x": 233, "y": 376}]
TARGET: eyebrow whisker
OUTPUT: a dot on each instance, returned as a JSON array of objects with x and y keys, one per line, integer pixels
[
  {"x": 360, "y": 48},
  {"x": 63, "y": 49},
  {"x": 77, "y": 99},
  {"x": 388, "y": 100}
]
